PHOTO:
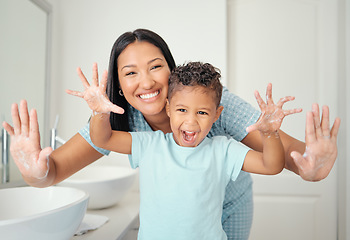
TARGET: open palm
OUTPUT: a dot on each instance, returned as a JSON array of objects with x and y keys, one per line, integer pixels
[
  {"x": 31, "y": 160},
  {"x": 95, "y": 93},
  {"x": 272, "y": 114}
]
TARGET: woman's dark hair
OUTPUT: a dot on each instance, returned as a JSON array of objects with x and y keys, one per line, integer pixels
[
  {"x": 196, "y": 74},
  {"x": 120, "y": 121}
]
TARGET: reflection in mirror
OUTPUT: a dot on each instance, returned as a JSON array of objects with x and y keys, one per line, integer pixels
[{"x": 24, "y": 55}]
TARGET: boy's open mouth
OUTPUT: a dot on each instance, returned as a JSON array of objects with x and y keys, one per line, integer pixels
[{"x": 188, "y": 136}]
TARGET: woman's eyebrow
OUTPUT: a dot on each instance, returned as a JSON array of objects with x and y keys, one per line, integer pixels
[
  {"x": 128, "y": 66},
  {"x": 149, "y": 62},
  {"x": 155, "y": 59}
]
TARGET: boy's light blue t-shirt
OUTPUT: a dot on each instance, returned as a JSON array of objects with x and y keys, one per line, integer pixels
[{"x": 182, "y": 189}]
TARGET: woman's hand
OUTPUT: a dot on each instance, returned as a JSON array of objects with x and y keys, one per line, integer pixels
[
  {"x": 32, "y": 161},
  {"x": 321, "y": 146},
  {"x": 271, "y": 114},
  {"x": 95, "y": 94}
]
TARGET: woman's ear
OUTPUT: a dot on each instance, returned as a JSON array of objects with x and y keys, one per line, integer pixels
[
  {"x": 218, "y": 112},
  {"x": 167, "y": 107}
]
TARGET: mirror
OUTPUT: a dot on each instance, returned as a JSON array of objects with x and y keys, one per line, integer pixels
[{"x": 24, "y": 61}]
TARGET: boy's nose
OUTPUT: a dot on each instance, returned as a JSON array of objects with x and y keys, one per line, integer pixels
[{"x": 191, "y": 120}]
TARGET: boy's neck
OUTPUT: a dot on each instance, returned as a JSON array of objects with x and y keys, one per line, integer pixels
[{"x": 159, "y": 121}]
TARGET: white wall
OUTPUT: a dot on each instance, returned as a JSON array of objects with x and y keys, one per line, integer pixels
[{"x": 84, "y": 32}]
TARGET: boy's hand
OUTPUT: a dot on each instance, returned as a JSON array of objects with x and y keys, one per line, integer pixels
[
  {"x": 271, "y": 114},
  {"x": 95, "y": 94}
]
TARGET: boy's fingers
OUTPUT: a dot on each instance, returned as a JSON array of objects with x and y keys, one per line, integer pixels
[
  {"x": 83, "y": 78},
  {"x": 260, "y": 101},
  {"x": 269, "y": 99},
  {"x": 94, "y": 74},
  {"x": 292, "y": 111},
  {"x": 75, "y": 93}
]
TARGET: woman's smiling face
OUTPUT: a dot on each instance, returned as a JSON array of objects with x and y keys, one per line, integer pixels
[{"x": 143, "y": 75}]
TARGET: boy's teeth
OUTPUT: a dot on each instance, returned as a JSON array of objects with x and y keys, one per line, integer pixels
[
  {"x": 149, "y": 95},
  {"x": 188, "y": 136}
]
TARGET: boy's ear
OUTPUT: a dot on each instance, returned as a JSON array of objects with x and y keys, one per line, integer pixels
[
  {"x": 167, "y": 107},
  {"x": 218, "y": 112}
]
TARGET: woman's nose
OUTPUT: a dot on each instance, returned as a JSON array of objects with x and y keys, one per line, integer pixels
[{"x": 147, "y": 81}]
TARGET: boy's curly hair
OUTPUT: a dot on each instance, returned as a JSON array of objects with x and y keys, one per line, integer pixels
[{"x": 196, "y": 74}]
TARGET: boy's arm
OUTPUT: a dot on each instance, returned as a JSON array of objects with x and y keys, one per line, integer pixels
[
  {"x": 100, "y": 129},
  {"x": 271, "y": 160},
  {"x": 103, "y": 136}
]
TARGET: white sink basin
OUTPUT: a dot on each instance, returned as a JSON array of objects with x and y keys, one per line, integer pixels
[
  {"x": 106, "y": 185},
  {"x": 41, "y": 213}
]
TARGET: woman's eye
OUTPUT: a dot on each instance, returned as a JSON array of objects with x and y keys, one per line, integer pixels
[
  {"x": 129, "y": 73},
  {"x": 154, "y": 67}
]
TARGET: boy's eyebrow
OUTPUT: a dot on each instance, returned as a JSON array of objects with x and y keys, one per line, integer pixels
[
  {"x": 150, "y": 61},
  {"x": 200, "y": 108}
]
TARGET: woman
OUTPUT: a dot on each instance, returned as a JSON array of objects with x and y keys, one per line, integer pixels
[{"x": 138, "y": 74}]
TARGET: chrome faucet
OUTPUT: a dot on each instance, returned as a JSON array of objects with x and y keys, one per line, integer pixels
[
  {"x": 53, "y": 136},
  {"x": 5, "y": 157}
]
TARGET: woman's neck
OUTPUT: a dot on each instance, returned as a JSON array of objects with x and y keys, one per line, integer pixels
[{"x": 159, "y": 121}]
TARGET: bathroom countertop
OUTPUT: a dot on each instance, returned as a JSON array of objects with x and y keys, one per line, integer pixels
[{"x": 122, "y": 217}]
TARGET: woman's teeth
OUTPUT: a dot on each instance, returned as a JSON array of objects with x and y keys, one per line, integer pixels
[{"x": 149, "y": 95}]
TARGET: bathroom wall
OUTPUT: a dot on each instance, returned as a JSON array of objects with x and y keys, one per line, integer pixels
[{"x": 84, "y": 32}]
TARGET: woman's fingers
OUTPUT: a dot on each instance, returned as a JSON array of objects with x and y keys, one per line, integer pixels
[
  {"x": 8, "y": 128},
  {"x": 16, "y": 119},
  {"x": 316, "y": 117},
  {"x": 325, "y": 122},
  {"x": 34, "y": 128},
  {"x": 335, "y": 129},
  {"x": 24, "y": 117},
  {"x": 299, "y": 160},
  {"x": 310, "y": 134}
]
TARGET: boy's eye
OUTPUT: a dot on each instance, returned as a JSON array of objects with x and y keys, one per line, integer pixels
[
  {"x": 202, "y": 113},
  {"x": 181, "y": 110}
]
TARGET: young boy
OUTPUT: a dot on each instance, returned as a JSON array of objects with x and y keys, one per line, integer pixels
[{"x": 183, "y": 174}]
